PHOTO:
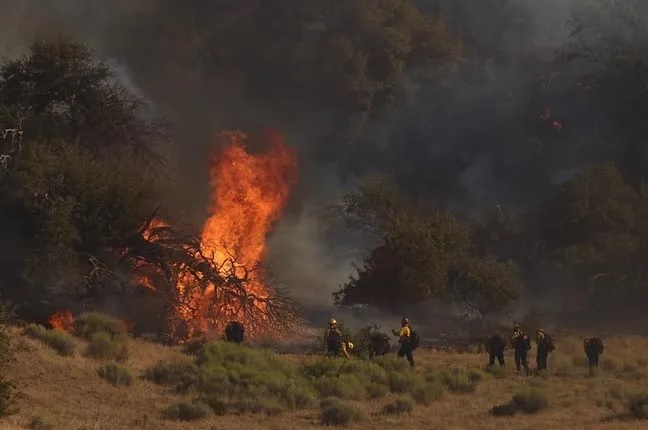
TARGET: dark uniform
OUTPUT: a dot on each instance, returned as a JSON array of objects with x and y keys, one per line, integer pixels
[
  {"x": 234, "y": 332},
  {"x": 335, "y": 346},
  {"x": 544, "y": 347},
  {"x": 495, "y": 345},
  {"x": 521, "y": 344},
  {"x": 593, "y": 349},
  {"x": 405, "y": 339}
]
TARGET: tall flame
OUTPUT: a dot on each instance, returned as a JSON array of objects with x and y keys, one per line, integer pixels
[{"x": 249, "y": 193}]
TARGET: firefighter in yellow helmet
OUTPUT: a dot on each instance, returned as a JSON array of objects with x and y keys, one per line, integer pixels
[
  {"x": 335, "y": 345},
  {"x": 405, "y": 339}
]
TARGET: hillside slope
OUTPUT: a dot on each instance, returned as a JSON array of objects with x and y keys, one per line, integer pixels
[{"x": 66, "y": 392}]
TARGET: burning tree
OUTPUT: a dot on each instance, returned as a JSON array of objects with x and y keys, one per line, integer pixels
[{"x": 217, "y": 276}]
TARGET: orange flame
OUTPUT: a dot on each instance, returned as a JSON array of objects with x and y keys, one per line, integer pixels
[
  {"x": 249, "y": 192},
  {"x": 61, "y": 320}
]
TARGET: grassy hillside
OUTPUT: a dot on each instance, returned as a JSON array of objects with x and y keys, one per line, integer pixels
[{"x": 64, "y": 383}]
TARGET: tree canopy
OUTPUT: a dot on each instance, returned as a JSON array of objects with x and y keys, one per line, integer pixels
[{"x": 422, "y": 254}]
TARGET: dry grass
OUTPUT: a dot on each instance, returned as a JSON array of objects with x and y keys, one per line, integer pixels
[{"x": 66, "y": 392}]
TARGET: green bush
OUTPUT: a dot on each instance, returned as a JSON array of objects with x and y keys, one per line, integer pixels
[
  {"x": 60, "y": 341},
  {"x": 498, "y": 372},
  {"x": 90, "y": 323},
  {"x": 371, "y": 342},
  {"x": 425, "y": 393},
  {"x": 187, "y": 411},
  {"x": 115, "y": 374},
  {"x": 402, "y": 382},
  {"x": 460, "y": 381},
  {"x": 182, "y": 376},
  {"x": 398, "y": 407},
  {"x": 637, "y": 405},
  {"x": 335, "y": 412},
  {"x": 104, "y": 346},
  {"x": 231, "y": 373},
  {"x": 268, "y": 407},
  {"x": 376, "y": 391}
]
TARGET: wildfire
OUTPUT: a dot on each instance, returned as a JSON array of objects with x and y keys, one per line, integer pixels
[
  {"x": 61, "y": 320},
  {"x": 249, "y": 193},
  {"x": 219, "y": 277}
]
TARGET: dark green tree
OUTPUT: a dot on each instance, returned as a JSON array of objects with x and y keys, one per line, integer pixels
[
  {"x": 422, "y": 254},
  {"x": 85, "y": 172}
]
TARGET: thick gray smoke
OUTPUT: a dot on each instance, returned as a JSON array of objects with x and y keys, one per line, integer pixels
[{"x": 473, "y": 142}]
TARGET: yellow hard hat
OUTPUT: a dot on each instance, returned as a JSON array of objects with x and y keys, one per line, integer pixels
[
  {"x": 349, "y": 345},
  {"x": 332, "y": 321}
]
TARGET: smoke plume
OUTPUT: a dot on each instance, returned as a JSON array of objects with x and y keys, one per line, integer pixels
[{"x": 473, "y": 142}]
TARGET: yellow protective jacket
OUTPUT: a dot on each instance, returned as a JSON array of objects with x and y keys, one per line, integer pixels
[{"x": 404, "y": 334}]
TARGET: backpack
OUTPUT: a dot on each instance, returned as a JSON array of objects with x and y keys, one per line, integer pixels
[
  {"x": 234, "y": 332},
  {"x": 415, "y": 340},
  {"x": 549, "y": 342},
  {"x": 333, "y": 339}
]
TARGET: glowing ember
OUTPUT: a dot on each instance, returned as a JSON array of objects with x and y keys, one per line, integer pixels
[
  {"x": 547, "y": 117},
  {"x": 61, "y": 320},
  {"x": 249, "y": 192}
]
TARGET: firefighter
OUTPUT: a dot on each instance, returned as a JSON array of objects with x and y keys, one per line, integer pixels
[
  {"x": 495, "y": 346},
  {"x": 593, "y": 349},
  {"x": 335, "y": 346},
  {"x": 234, "y": 332},
  {"x": 521, "y": 345},
  {"x": 406, "y": 341},
  {"x": 545, "y": 345}
]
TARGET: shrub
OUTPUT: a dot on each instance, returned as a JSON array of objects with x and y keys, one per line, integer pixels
[
  {"x": 187, "y": 411},
  {"x": 528, "y": 401},
  {"x": 402, "y": 382},
  {"x": 398, "y": 406},
  {"x": 334, "y": 412},
  {"x": 371, "y": 341},
  {"x": 375, "y": 391},
  {"x": 531, "y": 401},
  {"x": 58, "y": 340},
  {"x": 459, "y": 381},
  {"x": 346, "y": 387},
  {"x": 104, "y": 346},
  {"x": 90, "y": 323},
  {"x": 269, "y": 407},
  {"x": 182, "y": 376},
  {"x": 637, "y": 405},
  {"x": 216, "y": 404},
  {"x": 115, "y": 374},
  {"x": 498, "y": 372},
  {"x": 427, "y": 392}
]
